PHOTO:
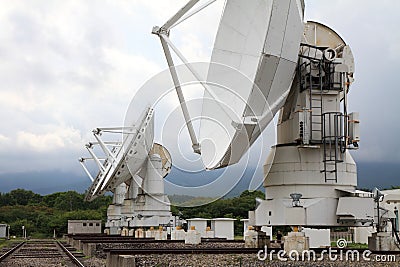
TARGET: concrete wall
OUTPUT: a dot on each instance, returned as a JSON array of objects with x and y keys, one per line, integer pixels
[{"x": 84, "y": 226}]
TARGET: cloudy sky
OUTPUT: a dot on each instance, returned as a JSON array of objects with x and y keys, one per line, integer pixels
[{"x": 67, "y": 67}]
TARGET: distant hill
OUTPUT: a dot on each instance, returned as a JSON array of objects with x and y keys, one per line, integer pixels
[
  {"x": 197, "y": 201},
  {"x": 179, "y": 199},
  {"x": 370, "y": 175}
]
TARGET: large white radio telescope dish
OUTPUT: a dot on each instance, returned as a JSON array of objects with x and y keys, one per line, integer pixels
[{"x": 261, "y": 39}]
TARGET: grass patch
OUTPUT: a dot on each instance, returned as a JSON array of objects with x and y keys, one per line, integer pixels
[{"x": 352, "y": 245}]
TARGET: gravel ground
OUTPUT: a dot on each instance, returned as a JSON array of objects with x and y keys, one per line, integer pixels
[
  {"x": 223, "y": 259},
  {"x": 94, "y": 262},
  {"x": 214, "y": 261},
  {"x": 242, "y": 260}
]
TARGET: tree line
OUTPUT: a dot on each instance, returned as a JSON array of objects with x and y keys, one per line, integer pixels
[{"x": 41, "y": 215}]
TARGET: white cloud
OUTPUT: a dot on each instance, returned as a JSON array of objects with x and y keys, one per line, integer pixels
[
  {"x": 58, "y": 138},
  {"x": 3, "y": 139},
  {"x": 69, "y": 66},
  {"x": 64, "y": 69},
  {"x": 127, "y": 70}
]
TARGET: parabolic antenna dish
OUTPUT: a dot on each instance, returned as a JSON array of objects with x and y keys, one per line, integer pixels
[
  {"x": 126, "y": 159},
  {"x": 261, "y": 39}
]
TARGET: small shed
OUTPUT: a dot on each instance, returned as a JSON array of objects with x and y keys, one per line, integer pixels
[
  {"x": 84, "y": 226},
  {"x": 3, "y": 230},
  {"x": 223, "y": 228},
  {"x": 200, "y": 225}
]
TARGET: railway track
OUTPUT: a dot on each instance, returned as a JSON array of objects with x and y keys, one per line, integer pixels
[{"x": 40, "y": 253}]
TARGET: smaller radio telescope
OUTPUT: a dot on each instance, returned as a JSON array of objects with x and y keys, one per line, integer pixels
[{"x": 133, "y": 169}]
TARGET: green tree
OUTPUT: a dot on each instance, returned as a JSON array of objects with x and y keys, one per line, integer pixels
[
  {"x": 69, "y": 201},
  {"x": 20, "y": 197}
]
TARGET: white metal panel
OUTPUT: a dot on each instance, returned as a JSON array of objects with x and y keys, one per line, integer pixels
[
  {"x": 277, "y": 28},
  {"x": 358, "y": 208},
  {"x": 283, "y": 80},
  {"x": 265, "y": 75},
  {"x": 295, "y": 216},
  {"x": 292, "y": 38},
  {"x": 354, "y": 127}
]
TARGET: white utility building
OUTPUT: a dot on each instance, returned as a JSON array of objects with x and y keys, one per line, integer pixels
[
  {"x": 200, "y": 224},
  {"x": 84, "y": 227},
  {"x": 223, "y": 228},
  {"x": 3, "y": 230}
]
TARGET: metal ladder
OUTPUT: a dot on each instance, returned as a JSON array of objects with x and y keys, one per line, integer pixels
[
  {"x": 316, "y": 107},
  {"x": 332, "y": 136},
  {"x": 307, "y": 71}
]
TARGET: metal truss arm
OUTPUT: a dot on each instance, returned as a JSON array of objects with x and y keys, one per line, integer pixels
[
  {"x": 82, "y": 162},
  {"x": 188, "y": 15},
  {"x": 122, "y": 130},
  {"x": 163, "y": 33},
  {"x": 195, "y": 143},
  {"x": 179, "y": 14},
  {"x": 96, "y": 159},
  {"x": 106, "y": 151}
]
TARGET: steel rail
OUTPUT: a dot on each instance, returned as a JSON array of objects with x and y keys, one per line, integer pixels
[
  {"x": 11, "y": 251},
  {"x": 70, "y": 255}
]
